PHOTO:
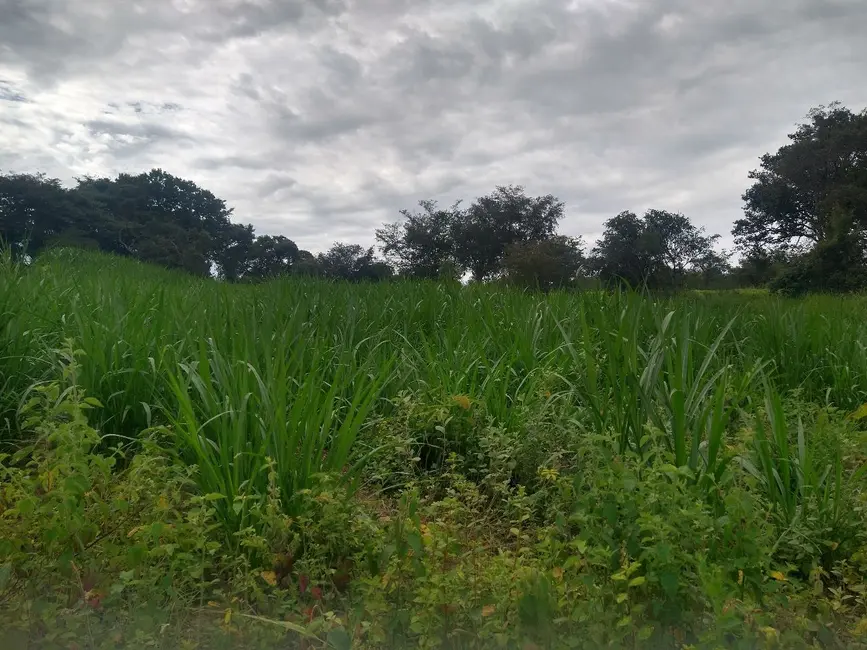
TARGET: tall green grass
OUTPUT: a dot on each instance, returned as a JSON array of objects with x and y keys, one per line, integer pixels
[{"x": 290, "y": 371}]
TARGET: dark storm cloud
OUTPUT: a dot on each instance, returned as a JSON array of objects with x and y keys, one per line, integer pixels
[{"x": 320, "y": 119}]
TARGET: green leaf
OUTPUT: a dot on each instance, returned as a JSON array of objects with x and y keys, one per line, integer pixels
[
  {"x": 414, "y": 541},
  {"x": 668, "y": 581},
  {"x": 339, "y": 639},
  {"x": 92, "y": 401},
  {"x": 623, "y": 622},
  {"x": 637, "y": 582}
]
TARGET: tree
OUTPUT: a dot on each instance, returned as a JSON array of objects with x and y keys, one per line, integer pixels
[
  {"x": 422, "y": 245},
  {"x": 759, "y": 267},
  {"x": 547, "y": 264},
  {"x": 838, "y": 263},
  {"x": 352, "y": 262},
  {"x": 622, "y": 256},
  {"x": 234, "y": 246},
  {"x": 675, "y": 245},
  {"x": 36, "y": 210},
  {"x": 823, "y": 169},
  {"x": 711, "y": 269},
  {"x": 160, "y": 218},
  {"x": 492, "y": 223},
  {"x": 307, "y": 264},
  {"x": 271, "y": 256},
  {"x": 656, "y": 251}
]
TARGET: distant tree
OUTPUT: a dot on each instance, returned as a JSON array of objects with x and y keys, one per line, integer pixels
[
  {"x": 546, "y": 264},
  {"x": 160, "y": 218},
  {"x": 352, "y": 262},
  {"x": 307, "y": 264},
  {"x": 656, "y": 251},
  {"x": 422, "y": 246},
  {"x": 838, "y": 263},
  {"x": 711, "y": 270},
  {"x": 494, "y": 222},
  {"x": 675, "y": 245},
  {"x": 233, "y": 251},
  {"x": 36, "y": 210},
  {"x": 271, "y": 256},
  {"x": 622, "y": 254},
  {"x": 759, "y": 267},
  {"x": 821, "y": 172}
]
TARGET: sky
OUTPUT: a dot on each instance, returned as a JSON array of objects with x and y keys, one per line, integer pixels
[{"x": 321, "y": 119}]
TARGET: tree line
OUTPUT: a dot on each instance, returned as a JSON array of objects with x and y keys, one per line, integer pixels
[{"x": 804, "y": 225}]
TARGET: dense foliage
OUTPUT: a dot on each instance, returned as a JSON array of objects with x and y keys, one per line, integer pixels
[
  {"x": 189, "y": 463},
  {"x": 809, "y": 200}
]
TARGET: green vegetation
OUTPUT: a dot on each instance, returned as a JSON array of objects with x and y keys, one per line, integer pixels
[{"x": 189, "y": 463}]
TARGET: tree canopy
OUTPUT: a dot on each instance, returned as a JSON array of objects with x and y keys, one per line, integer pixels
[
  {"x": 654, "y": 251},
  {"x": 804, "y": 229},
  {"x": 809, "y": 202},
  {"x": 422, "y": 245},
  {"x": 798, "y": 190},
  {"x": 507, "y": 216}
]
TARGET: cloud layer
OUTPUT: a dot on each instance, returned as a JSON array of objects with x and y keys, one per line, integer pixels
[{"x": 320, "y": 119}]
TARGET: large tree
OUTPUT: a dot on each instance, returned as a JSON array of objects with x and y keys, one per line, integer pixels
[
  {"x": 820, "y": 173},
  {"x": 352, "y": 262},
  {"x": 675, "y": 244},
  {"x": 621, "y": 255},
  {"x": 161, "y": 218},
  {"x": 545, "y": 264},
  {"x": 656, "y": 251},
  {"x": 271, "y": 256},
  {"x": 494, "y": 222},
  {"x": 36, "y": 210},
  {"x": 233, "y": 250},
  {"x": 422, "y": 246}
]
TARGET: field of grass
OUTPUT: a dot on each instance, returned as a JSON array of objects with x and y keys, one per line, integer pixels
[{"x": 192, "y": 464}]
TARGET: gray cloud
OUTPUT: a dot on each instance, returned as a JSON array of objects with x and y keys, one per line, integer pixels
[
  {"x": 320, "y": 119},
  {"x": 9, "y": 94}
]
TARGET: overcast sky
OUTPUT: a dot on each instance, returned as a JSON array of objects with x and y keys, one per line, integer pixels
[{"x": 320, "y": 119}]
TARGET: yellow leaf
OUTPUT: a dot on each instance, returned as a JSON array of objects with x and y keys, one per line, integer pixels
[
  {"x": 778, "y": 576},
  {"x": 133, "y": 531},
  {"x": 163, "y": 503},
  {"x": 270, "y": 577},
  {"x": 487, "y": 610},
  {"x": 860, "y": 413},
  {"x": 740, "y": 576},
  {"x": 462, "y": 400},
  {"x": 621, "y": 598},
  {"x": 227, "y": 617},
  {"x": 861, "y": 628},
  {"x": 770, "y": 632},
  {"x": 213, "y": 603},
  {"x": 557, "y": 572}
]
